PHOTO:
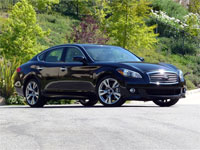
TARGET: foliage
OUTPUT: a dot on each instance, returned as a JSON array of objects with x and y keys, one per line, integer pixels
[
  {"x": 183, "y": 34},
  {"x": 7, "y": 73},
  {"x": 43, "y": 5},
  {"x": 20, "y": 32},
  {"x": 171, "y": 8},
  {"x": 193, "y": 24},
  {"x": 124, "y": 21},
  {"x": 39, "y": 5},
  {"x": 76, "y": 8},
  {"x": 15, "y": 100},
  {"x": 189, "y": 24},
  {"x": 194, "y": 6},
  {"x": 60, "y": 102},
  {"x": 7, "y": 4},
  {"x": 59, "y": 26},
  {"x": 87, "y": 32},
  {"x": 187, "y": 47}
]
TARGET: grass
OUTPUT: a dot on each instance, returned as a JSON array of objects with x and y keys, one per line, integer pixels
[
  {"x": 60, "y": 27},
  {"x": 3, "y": 18}
]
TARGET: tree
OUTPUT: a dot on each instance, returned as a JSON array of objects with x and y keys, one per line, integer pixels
[
  {"x": 77, "y": 8},
  {"x": 87, "y": 32},
  {"x": 42, "y": 5},
  {"x": 125, "y": 22},
  {"x": 194, "y": 6},
  {"x": 20, "y": 32}
]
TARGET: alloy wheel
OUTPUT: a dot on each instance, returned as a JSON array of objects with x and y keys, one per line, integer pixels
[
  {"x": 109, "y": 91},
  {"x": 32, "y": 93}
]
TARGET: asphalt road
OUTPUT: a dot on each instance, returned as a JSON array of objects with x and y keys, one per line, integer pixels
[{"x": 131, "y": 127}]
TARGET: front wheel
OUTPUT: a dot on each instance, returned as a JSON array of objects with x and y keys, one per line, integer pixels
[
  {"x": 166, "y": 102},
  {"x": 33, "y": 94},
  {"x": 109, "y": 93}
]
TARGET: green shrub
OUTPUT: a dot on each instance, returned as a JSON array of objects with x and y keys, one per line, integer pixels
[
  {"x": 59, "y": 102},
  {"x": 183, "y": 47},
  {"x": 15, "y": 100},
  {"x": 172, "y": 8},
  {"x": 59, "y": 26},
  {"x": 190, "y": 85},
  {"x": 7, "y": 74}
]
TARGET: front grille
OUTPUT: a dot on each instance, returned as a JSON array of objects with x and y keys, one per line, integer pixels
[
  {"x": 163, "y": 77},
  {"x": 163, "y": 92}
]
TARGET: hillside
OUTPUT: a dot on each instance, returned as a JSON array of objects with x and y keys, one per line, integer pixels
[{"x": 167, "y": 50}]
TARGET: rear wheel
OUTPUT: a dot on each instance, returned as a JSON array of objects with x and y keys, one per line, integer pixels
[
  {"x": 109, "y": 93},
  {"x": 166, "y": 102},
  {"x": 33, "y": 94},
  {"x": 88, "y": 102}
]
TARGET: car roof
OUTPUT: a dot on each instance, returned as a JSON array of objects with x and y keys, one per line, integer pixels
[
  {"x": 77, "y": 45},
  {"x": 83, "y": 45}
]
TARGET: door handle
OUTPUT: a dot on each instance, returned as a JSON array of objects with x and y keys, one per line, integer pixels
[
  {"x": 63, "y": 68},
  {"x": 39, "y": 68}
]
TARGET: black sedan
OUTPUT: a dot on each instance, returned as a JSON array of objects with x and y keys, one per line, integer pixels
[{"x": 91, "y": 73}]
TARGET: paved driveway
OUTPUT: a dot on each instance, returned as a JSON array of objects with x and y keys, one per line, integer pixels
[{"x": 133, "y": 126}]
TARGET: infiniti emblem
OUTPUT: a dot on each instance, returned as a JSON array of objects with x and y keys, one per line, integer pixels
[{"x": 165, "y": 77}]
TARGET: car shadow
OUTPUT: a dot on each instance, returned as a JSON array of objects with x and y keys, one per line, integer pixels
[{"x": 75, "y": 106}]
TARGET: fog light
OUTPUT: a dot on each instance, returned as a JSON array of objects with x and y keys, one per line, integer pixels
[
  {"x": 132, "y": 90},
  {"x": 184, "y": 90}
]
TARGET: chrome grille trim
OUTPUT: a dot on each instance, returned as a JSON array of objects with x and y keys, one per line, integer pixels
[{"x": 158, "y": 77}]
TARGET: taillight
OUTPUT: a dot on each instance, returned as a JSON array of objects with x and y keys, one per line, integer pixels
[{"x": 18, "y": 69}]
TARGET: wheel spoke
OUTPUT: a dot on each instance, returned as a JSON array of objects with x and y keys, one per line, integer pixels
[
  {"x": 29, "y": 95},
  {"x": 117, "y": 95},
  {"x": 115, "y": 85},
  {"x": 36, "y": 94},
  {"x": 34, "y": 86},
  {"x": 103, "y": 92},
  {"x": 30, "y": 87},
  {"x": 106, "y": 83},
  {"x": 108, "y": 99},
  {"x": 33, "y": 101}
]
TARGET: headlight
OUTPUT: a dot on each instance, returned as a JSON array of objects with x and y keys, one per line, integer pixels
[
  {"x": 129, "y": 73},
  {"x": 181, "y": 75}
]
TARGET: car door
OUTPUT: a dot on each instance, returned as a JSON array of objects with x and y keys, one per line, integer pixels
[
  {"x": 76, "y": 77},
  {"x": 49, "y": 67}
]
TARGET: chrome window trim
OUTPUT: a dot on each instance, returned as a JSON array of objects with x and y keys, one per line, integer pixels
[
  {"x": 161, "y": 82},
  {"x": 54, "y": 48}
]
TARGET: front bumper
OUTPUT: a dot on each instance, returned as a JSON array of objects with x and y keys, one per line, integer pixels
[{"x": 149, "y": 92}]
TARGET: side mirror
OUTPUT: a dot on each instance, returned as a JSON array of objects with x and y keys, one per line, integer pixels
[
  {"x": 142, "y": 59},
  {"x": 80, "y": 59},
  {"x": 187, "y": 73}
]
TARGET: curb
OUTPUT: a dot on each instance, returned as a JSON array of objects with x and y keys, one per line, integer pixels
[{"x": 193, "y": 92}]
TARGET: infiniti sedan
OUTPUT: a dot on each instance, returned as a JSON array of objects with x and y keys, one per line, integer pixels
[{"x": 91, "y": 73}]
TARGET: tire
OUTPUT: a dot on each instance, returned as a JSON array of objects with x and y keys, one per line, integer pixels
[
  {"x": 166, "y": 102},
  {"x": 108, "y": 92},
  {"x": 88, "y": 102},
  {"x": 33, "y": 94}
]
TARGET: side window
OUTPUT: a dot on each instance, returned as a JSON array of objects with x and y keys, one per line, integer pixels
[
  {"x": 72, "y": 52},
  {"x": 54, "y": 55},
  {"x": 41, "y": 57}
]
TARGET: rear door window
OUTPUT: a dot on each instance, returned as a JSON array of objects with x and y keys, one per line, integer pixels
[
  {"x": 71, "y": 53},
  {"x": 54, "y": 55}
]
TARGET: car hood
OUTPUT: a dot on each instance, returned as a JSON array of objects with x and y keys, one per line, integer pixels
[{"x": 148, "y": 67}]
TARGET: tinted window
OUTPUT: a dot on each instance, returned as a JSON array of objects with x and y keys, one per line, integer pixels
[
  {"x": 110, "y": 54},
  {"x": 41, "y": 57},
  {"x": 72, "y": 52},
  {"x": 54, "y": 55}
]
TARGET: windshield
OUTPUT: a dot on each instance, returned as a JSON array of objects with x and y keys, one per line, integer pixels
[{"x": 110, "y": 54}]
